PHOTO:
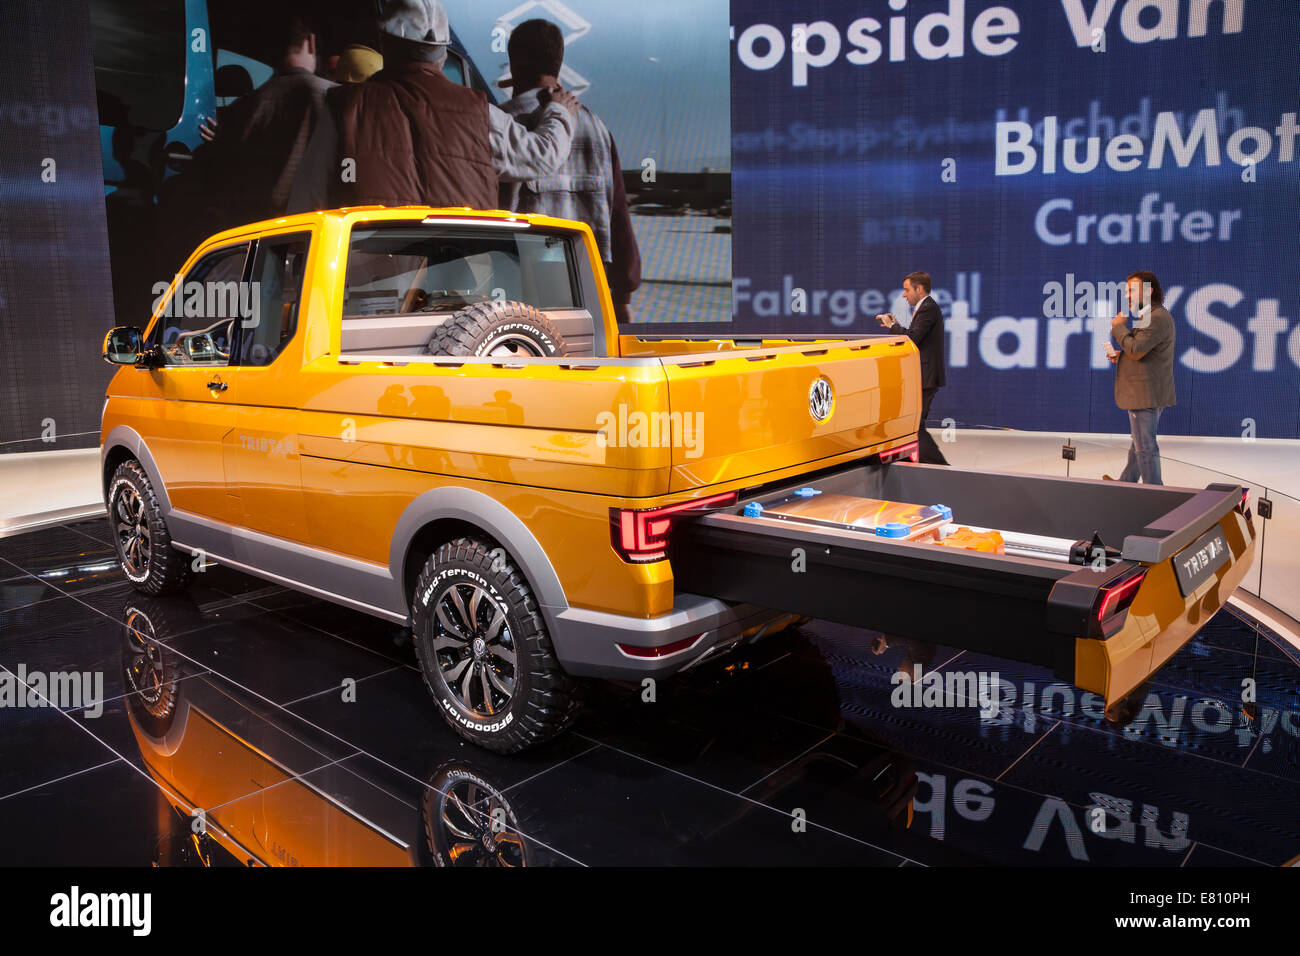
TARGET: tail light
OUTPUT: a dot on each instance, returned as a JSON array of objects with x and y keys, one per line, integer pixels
[
  {"x": 658, "y": 653},
  {"x": 1243, "y": 506},
  {"x": 909, "y": 452},
  {"x": 1114, "y": 599},
  {"x": 640, "y": 535}
]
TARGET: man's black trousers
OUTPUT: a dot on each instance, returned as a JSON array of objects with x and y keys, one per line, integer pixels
[{"x": 930, "y": 453}]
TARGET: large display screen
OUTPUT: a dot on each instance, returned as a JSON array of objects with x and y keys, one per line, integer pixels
[
  {"x": 1030, "y": 154},
  {"x": 55, "y": 291}
]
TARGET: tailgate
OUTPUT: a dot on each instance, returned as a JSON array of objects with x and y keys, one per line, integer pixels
[
  {"x": 1177, "y": 555},
  {"x": 756, "y": 410}
]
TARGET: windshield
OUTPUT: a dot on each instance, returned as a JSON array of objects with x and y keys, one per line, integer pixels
[{"x": 417, "y": 268}]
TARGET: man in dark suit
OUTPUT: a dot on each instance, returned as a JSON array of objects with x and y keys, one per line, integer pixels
[
  {"x": 926, "y": 330},
  {"x": 1144, "y": 372}
]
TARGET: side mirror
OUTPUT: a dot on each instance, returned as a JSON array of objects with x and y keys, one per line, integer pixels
[{"x": 122, "y": 345}]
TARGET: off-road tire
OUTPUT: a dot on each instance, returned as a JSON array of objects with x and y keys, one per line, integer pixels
[
  {"x": 479, "y": 329},
  {"x": 543, "y": 701},
  {"x": 153, "y": 567}
]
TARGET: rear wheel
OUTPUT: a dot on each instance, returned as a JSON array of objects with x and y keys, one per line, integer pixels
[
  {"x": 484, "y": 650},
  {"x": 144, "y": 545}
]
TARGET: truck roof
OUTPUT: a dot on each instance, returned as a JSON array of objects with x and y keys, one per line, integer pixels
[{"x": 415, "y": 213}]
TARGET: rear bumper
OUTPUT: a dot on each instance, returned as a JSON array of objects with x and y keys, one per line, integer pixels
[
  {"x": 587, "y": 642},
  {"x": 1162, "y": 619}
]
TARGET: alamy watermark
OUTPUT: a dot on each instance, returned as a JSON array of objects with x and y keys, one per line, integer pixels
[
  {"x": 215, "y": 300},
  {"x": 66, "y": 690},
  {"x": 632, "y": 428},
  {"x": 952, "y": 690},
  {"x": 74, "y": 908}
]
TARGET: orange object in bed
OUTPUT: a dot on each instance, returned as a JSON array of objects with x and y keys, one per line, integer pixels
[{"x": 989, "y": 541}]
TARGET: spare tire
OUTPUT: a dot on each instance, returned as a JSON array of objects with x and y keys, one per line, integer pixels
[{"x": 506, "y": 329}]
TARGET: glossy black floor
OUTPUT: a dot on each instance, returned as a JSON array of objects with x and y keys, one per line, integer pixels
[{"x": 791, "y": 753}]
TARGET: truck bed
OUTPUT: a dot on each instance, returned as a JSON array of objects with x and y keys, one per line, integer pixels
[{"x": 1034, "y": 609}]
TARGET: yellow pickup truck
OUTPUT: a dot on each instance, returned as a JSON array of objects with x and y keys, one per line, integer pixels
[{"x": 432, "y": 416}]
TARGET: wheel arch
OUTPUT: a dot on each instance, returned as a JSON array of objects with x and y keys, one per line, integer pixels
[
  {"x": 443, "y": 514},
  {"x": 122, "y": 443}
]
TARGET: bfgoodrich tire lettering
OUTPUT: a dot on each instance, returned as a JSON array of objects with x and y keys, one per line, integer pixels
[
  {"x": 484, "y": 650},
  {"x": 144, "y": 545}
]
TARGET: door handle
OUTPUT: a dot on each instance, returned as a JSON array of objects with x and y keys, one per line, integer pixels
[{"x": 218, "y": 386}]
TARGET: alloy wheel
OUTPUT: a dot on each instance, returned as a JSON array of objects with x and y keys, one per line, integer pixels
[
  {"x": 132, "y": 526},
  {"x": 475, "y": 649}
]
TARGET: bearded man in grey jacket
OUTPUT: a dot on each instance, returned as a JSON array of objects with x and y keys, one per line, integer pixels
[{"x": 1144, "y": 372}]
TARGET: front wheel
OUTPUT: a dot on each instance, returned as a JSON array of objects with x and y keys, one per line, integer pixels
[
  {"x": 144, "y": 545},
  {"x": 484, "y": 650}
]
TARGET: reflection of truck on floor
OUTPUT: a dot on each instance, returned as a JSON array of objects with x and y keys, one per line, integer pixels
[
  {"x": 432, "y": 416},
  {"x": 247, "y": 782}
]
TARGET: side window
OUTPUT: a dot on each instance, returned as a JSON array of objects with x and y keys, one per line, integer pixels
[
  {"x": 454, "y": 69},
  {"x": 197, "y": 325},
  {"x": 276, "y": 280}
]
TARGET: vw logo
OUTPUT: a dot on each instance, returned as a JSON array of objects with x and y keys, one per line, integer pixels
[{"x": 821, "y": 401}]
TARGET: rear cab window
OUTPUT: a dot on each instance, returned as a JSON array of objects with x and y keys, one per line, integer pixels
[
  {"x": 395, "y": 270},
  {"x": 404, "y": 278}
]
